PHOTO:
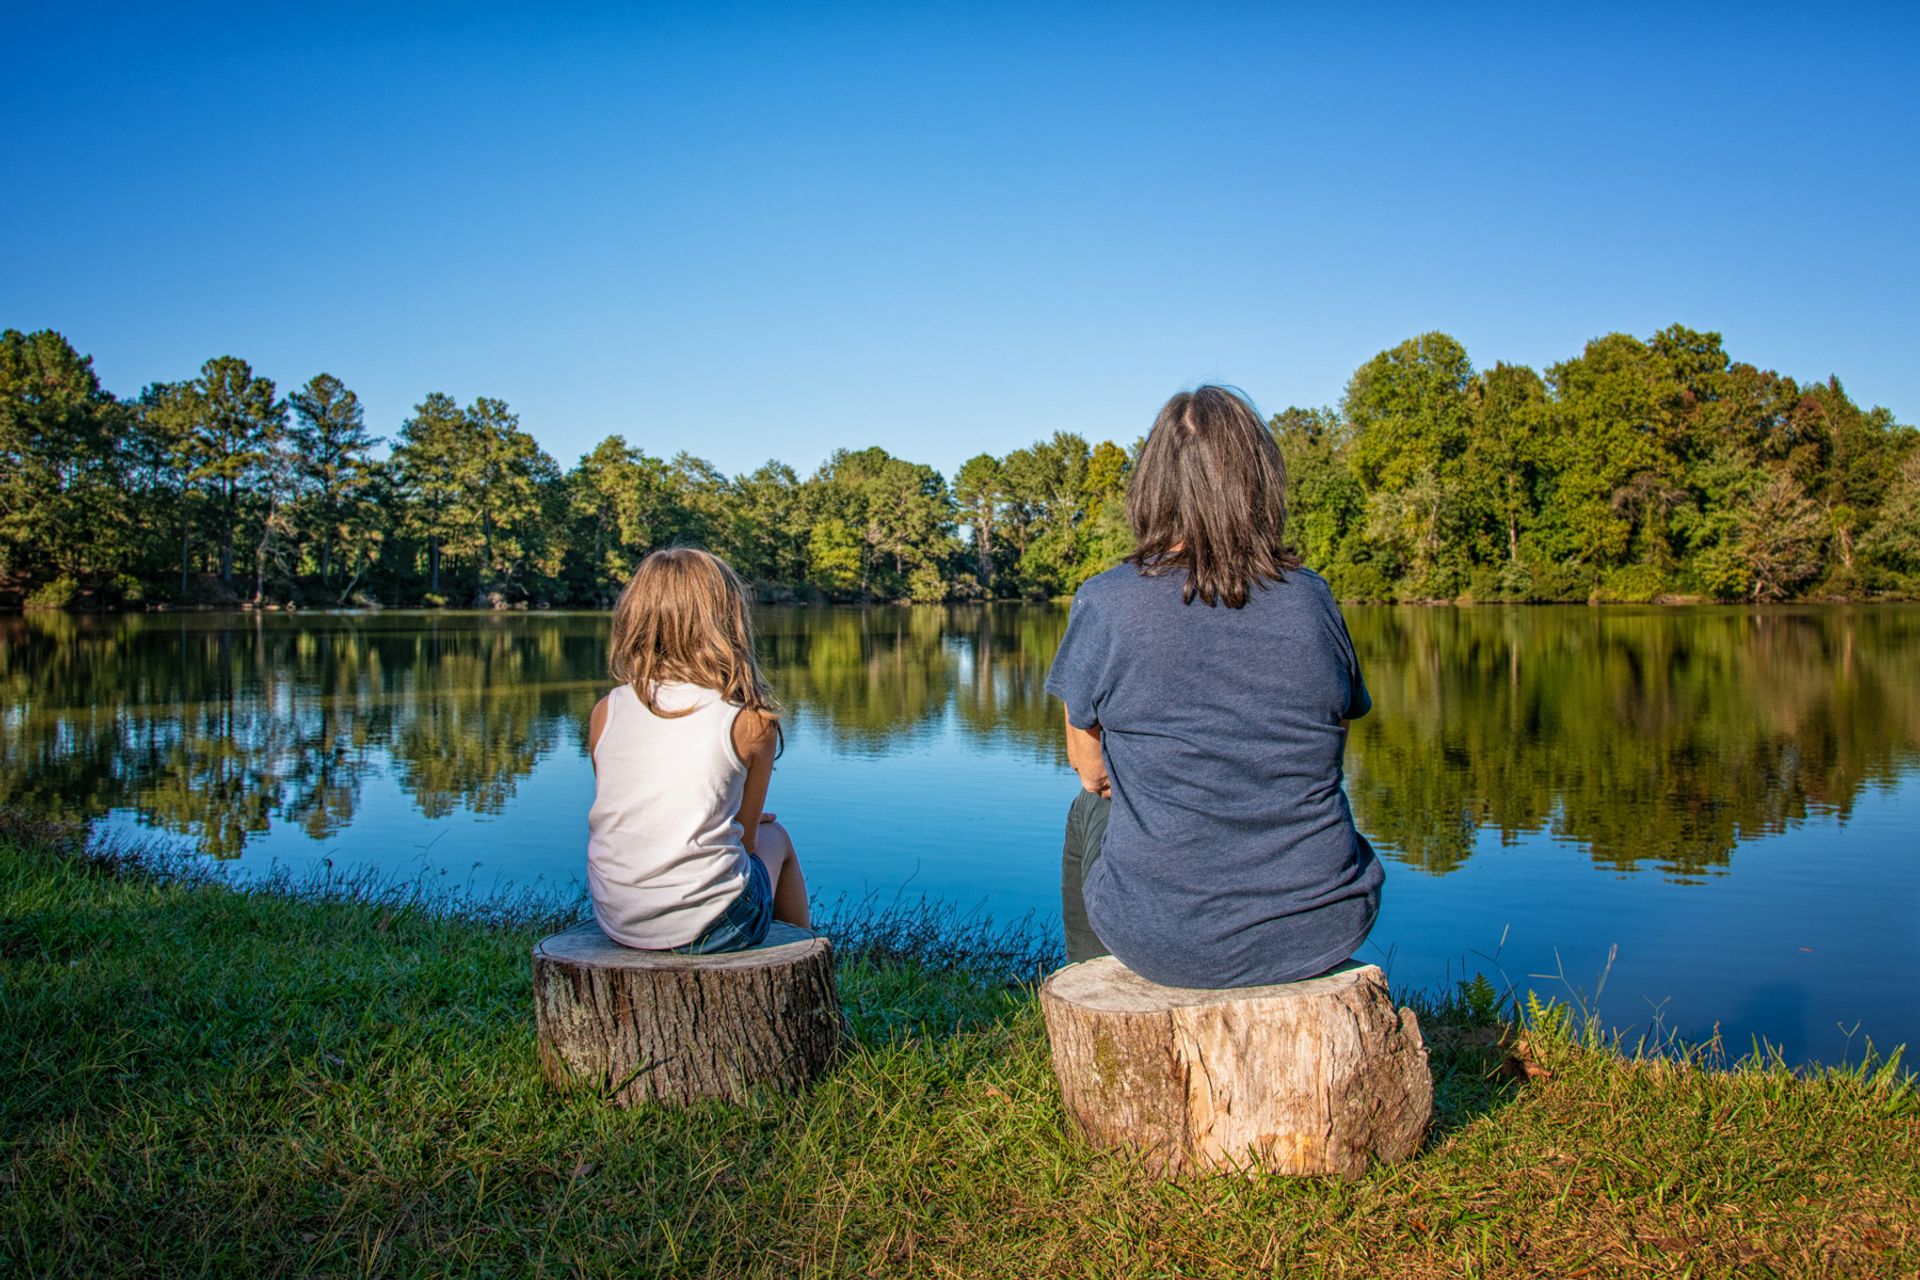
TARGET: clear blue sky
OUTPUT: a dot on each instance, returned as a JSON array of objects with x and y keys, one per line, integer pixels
[{"x": 768, "y": 231}]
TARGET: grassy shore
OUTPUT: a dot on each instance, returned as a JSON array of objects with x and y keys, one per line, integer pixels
[{"x": 341, "y": 1079}]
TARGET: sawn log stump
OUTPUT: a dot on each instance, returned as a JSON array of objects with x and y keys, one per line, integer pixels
[
  {"x": 1306, "y": 1077},
  {"x": 639, "y": 1026}
]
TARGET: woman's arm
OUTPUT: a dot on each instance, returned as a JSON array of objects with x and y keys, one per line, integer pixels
[
  {"x": 1084, "y": 754},
  {"x": 754, "y": 741}
]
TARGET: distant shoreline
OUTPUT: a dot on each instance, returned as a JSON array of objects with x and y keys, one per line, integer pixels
[
  {"x": 1656, "y": 470},
  {"x": 1462, "y": 602}
]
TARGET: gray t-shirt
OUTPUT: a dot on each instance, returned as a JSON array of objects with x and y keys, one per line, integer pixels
[{"x": 1231, "y": 858}]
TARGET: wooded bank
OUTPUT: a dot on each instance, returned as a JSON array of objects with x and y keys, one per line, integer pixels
[{"x": 1636, "y": 470}]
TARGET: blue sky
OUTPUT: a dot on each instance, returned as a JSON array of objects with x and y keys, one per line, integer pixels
[{"x": 764, "y": 231}]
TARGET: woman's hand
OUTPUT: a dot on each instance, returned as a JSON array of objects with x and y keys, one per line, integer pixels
[{"x": 1084, "y": 754}]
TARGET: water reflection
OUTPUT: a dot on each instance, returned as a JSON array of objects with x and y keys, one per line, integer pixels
[
  {"x": 873, "y": 679},
  {"x": 1659, "y": 738},
  {"x": 1645, "y": 737},
  {"x": 216, "y": 727}
]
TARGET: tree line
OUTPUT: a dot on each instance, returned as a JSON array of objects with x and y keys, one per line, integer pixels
[{"x": 1635, "y": 471}]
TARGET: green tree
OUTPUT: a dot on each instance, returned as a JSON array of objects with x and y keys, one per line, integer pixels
[
  {"x": 1409, "y": 412},
  {"x": 1325, "y": 503},
  {"x": 1504, "y": 458},
  {"x": 1893, "y": 540},
  {"x": 1410, "y": 416},
  {"x": 334, "y": 448},
  {"x": 910, "y": 524},
  {"x": 169, "y": 416},
  {"x": 1606, "y": 402},
  {"x": 977, "y": 489},
  {"x": 63, "y": 509},
  {"x": 623, "y": 506},
  {"x": 276, "y": 489},
  {"x": 834, "y": 562},
  {"x": 507, "y": 484},
  {"x": 1857, "y": 455},
  {"x": 1104, "y": 537},
  {"x": 1416, "y": 524},
  {"x": 1781, "y": 537},
  {"x": 429, "y": 468},
  {"x": 241, "y": 423},
  {"x": 1045, "y": 484},
  {"x": 900, "y": 514},
  {"x": 703, "y": 505},
  {"x": 367, "y": 523},
  {"x": 770, "y": 525},
  {"x": 1726, "y": 481}
]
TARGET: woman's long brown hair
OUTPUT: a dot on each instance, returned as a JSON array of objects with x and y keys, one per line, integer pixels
[
  {"x": 685, "y": 617},
  {"x": 1209, "y": 498}
]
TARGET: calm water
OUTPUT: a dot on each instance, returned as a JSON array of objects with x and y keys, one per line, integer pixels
[{"x": 1724, "y": 801}]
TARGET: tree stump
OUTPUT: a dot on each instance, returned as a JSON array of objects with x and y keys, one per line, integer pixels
[
  {"x": 639, "y": 1026},
  {"x": 1305, "y": 1077}
]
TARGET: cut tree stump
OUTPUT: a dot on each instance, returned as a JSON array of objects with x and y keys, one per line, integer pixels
[
  {"x": 1306, "y": 1077},
  {"x": 640, "y": 1026}
]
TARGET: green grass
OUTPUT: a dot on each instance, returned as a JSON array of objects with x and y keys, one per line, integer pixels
[{"x": 341, "y": 1079}]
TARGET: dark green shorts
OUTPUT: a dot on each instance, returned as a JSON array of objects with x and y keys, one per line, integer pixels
[{"x": 1086, "y": 831}]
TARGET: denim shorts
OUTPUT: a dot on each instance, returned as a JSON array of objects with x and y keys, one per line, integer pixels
[{"x": 743, "y": 925}]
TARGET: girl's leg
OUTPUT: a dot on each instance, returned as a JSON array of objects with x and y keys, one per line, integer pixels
[
  {"x": 1086, "y": 828},
  {"x": 775, "y": 848}
]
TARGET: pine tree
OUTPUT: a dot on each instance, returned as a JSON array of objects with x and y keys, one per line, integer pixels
[{"x": 334, "y": 448}]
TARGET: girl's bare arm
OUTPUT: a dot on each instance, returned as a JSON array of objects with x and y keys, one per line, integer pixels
[
  {"x": 1083, "y": 753},
  {"x": 596, "y": 725},
  {"x": 754, "y": 741}
]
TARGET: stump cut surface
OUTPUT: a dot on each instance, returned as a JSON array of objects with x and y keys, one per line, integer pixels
[
  {"x": 1319, "y": 1076},
  {"x": 638, "y": 1026}
]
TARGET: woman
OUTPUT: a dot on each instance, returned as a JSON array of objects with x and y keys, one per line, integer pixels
[{"x": 1208, "y": 682}]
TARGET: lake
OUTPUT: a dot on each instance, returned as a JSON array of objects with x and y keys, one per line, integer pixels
[{"x": 1691, "y": 818}]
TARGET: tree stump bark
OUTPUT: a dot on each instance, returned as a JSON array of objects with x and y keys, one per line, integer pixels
[
  {"x": 1305, "y": 1077},
  {"x": 639, "y": 1026}
]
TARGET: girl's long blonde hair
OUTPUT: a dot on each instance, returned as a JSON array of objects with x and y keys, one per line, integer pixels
[{"x": 685, "y": 617}]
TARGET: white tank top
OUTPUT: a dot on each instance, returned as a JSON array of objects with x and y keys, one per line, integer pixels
[{"x": 664, "y": 857}]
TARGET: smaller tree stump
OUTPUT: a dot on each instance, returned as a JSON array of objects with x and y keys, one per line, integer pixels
[
  {"x": 639, "y": 1026},
  {"x": 1305, "y": 1077}
]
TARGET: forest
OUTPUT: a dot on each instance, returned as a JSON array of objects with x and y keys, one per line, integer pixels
[{"x": 1649, "y": 469}]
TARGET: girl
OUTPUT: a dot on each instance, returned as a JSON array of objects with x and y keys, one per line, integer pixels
[
  {"x": 1208, "y": 682},
  {"x": 680, "y": 854}
]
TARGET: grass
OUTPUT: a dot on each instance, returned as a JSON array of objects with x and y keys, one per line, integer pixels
[{"x": 340, "y": 1079}]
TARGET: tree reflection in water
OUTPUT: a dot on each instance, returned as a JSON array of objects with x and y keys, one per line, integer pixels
[
  {"x": 1649, "y": 737},
  {"x": 1662, "y": 737}
]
